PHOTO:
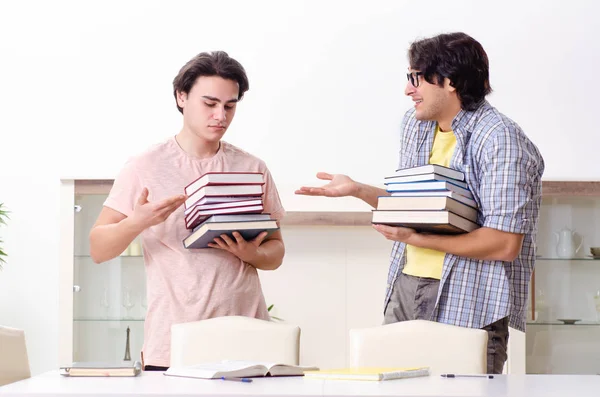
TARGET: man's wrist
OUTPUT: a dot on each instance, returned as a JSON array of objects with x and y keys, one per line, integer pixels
[
  {"x": 358, "y": 190},
  {"x": 132, "y": 226},
  {"x": 415, "y": 239}
]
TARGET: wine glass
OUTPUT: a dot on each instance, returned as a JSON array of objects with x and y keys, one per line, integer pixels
[
  {"x": 597, "y": 305},
  {"x": 105, "y": 301},
  {"x": 144, "y": 303},
  {"x": 128, "y": 301}
]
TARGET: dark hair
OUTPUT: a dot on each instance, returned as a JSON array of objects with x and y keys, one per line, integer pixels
[
  {"x": 460, "y": 58},
  {"x": 216, "y": 63}
]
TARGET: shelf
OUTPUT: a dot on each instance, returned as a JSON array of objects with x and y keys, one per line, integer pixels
[
  {"x": 107, "y": 319},
  {"x": 120, "y": 256},
  {"x": 543, "y": 258},
  {"x": 579, "y": 323}
]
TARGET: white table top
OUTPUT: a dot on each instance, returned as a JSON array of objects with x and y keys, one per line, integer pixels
[{"x": 156, "y": 384}]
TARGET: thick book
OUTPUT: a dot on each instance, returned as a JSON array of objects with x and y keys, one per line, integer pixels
[
  {"x": 431, "y": 168},
  {"x": 373, "y": 374},
  {"x": 423, "y": 178},
  {"x": 440, "y": 222},
  {"x": 237, "y": 369},
  {"x": 199, "y": 216},
  {"x": 224, "y": 202},
  {"x": 438, "y": 193},
  {"x": 434, "y": 203},
  {"x": 90, "y": 369},
  {"x": 225, "y": 178},
  {"x": 428, "y": 186},
  {"x": 206, "y": 233},
  {"x": 223, "y": 190}
]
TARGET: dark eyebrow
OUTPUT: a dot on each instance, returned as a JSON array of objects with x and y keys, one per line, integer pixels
[{"x": 212, "y": 98}]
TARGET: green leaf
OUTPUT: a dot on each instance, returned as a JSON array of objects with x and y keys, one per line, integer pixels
[{"x": 269, "y": 308}]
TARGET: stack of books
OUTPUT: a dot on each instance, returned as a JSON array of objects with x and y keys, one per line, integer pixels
[
  {"x": 429, "y": 198},
  {"x": 224, "y": 202}
]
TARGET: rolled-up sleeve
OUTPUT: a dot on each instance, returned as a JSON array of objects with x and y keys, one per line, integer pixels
[{"x": 510, "y": 181}]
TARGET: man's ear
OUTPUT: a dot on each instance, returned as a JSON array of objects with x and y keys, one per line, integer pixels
[
  {"x": 448, "y": 85},
  {"x": 181, "y": 98}
]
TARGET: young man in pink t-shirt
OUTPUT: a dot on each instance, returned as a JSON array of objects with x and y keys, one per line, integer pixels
[{"x": 146, "y": 199}]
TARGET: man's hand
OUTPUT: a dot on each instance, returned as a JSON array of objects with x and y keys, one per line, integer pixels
[
  {"x": 340, "y": 186},
  {"x": 247, "y": 251},
  {"x": 146, "y": 213},
  {"x": 401, "y": 234}
]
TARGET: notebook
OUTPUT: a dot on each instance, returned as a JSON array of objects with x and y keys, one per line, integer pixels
[
  {"x": 237, "y": 369},
  {"x": 132, "y": 368},
  {"x": 365, "y": 373}
]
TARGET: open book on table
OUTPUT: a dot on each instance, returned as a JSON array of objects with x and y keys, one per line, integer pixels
[
  {"x": 368, "y": 373},
  {"x": 237, "y": 369}
]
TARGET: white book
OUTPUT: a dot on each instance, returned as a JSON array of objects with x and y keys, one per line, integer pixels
[
  {"x": 423, "y": 178},
  {"x": 441, "y": 193},
  {"x": 92, "y": 369},
  {"x": 223, "y": 190},
  {"x": 433, "y": 203},
  {"x": 368, "y": 373},
  {"x": 440, "y": 222},
  {"x": 430, "y": 168},
  {"x": 428, "y": 186},
  {"x": 234, "y": 218},
  {"x": 225, "y": 178},
  {"x": 196, "y": 217},
  {"x": 213, "y": 202},
  {"x": 206, "y": 233}
]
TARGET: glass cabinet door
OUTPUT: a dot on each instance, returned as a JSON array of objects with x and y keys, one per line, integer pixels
[
  {"x": 563, "y": 317},
  {"x": 109, "y": 299}
]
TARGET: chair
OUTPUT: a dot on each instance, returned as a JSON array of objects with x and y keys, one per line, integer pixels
[
  {"x": 14, "y": 362},
  {"x": 234, "y": 338},
  {"x": 442, "y": 347},
  {"x": 515, "y": 363}
]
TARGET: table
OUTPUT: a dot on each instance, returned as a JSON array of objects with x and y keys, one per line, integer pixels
[{"x": 51, "y": 384}]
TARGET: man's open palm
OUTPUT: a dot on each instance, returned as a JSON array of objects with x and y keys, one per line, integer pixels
[{"x": 339, "y": 186}]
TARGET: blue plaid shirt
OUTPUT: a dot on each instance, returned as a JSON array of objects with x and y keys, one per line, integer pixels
[{"x": 503, "y": 169}]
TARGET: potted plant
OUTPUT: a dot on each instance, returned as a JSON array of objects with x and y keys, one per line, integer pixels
[
  {"x": 273, "y": 318},
  {"x": 3, "y": 218}
]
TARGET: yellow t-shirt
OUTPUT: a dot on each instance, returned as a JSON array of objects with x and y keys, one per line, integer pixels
[{"x": 424, "y": 262}]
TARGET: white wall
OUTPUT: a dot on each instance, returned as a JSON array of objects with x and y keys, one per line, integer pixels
[{"x": 83, "y": 85}]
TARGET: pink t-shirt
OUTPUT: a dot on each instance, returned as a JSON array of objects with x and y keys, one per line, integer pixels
[{"x": 186, "y": 285}]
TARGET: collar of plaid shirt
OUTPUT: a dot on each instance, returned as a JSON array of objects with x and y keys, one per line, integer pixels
[{"x": 503, "y": 169}]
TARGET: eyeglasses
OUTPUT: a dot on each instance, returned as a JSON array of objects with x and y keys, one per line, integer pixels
[{"x": 414, "y": 78}]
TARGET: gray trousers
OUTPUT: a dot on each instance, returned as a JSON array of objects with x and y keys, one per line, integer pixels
[{"x": 413, "y": 298}]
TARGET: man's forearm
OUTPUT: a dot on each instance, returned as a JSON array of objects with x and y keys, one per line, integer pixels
[
  {"x": 483, "y": 243},
  {"x": 369, "y": 194},
  {"x": 109, "y": 241},
  {"x": 270, "y": 255}
]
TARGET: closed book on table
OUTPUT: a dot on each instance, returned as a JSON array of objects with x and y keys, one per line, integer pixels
[
  {"x": 90, "y": 369},
  {"x": 439, "y": 203},
  {"x": 431, "y": 168},
  {"x": 225, "y": 178},
  {"x": 206, "y": 233},
  {"x": 441, "y": 222},
  {"x": 373, "y": 374}
]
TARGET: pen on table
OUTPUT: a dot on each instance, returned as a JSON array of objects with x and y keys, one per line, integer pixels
[
  {"x": 246, "y": 380},
  {"x": 467, "y": 376}
]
